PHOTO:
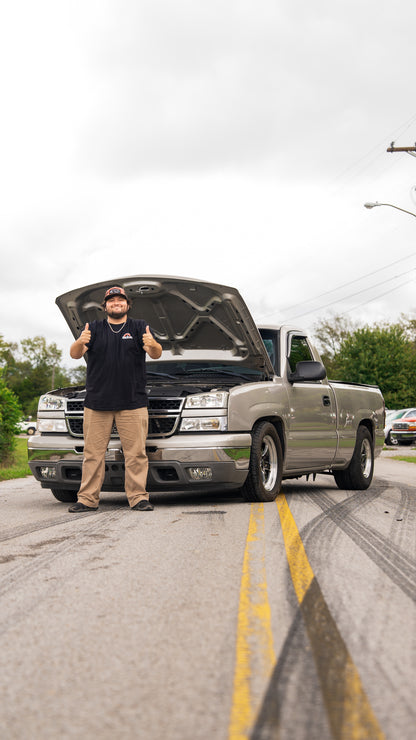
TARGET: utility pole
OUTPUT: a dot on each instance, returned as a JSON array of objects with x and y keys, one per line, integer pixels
[{"x": 409, "y": 149}]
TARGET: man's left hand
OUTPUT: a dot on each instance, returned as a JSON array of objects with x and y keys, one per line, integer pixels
[{"x": 150, "y": 345}]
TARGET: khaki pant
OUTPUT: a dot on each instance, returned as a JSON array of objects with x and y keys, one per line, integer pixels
[{"x": 132, "y": 429}]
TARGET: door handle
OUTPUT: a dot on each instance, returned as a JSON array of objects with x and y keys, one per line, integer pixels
[{"x": 326, "y": 400}]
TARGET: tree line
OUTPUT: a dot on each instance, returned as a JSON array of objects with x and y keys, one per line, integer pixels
[
  {"x": 383, "y": 355},
  {"x": 27, "y": 370}
]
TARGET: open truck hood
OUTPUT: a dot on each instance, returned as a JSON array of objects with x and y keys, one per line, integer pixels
[{"x": 190, "y": 318}]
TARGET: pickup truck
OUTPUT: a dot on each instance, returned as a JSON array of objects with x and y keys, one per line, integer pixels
[
  {"x": 26, "y": 425},
  {"x": 232, "y": 406},
  {"x": 403, "y": 431}
]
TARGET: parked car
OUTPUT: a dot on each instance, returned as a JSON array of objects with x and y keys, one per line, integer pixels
[
  {"x": 403, "y": 430},
  {"x": 391, "y": 417},
  {"x": 27, "y": 425}
]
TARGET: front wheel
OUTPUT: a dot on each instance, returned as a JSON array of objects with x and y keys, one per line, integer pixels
[
  {"x": 359, "y": 473},
  {"x": 391, "y": 440},
  {"x": 65, "y": 495},
  {"x": 266, "y": 465}
]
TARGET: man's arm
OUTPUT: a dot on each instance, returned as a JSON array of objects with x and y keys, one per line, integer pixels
[
  {"x": 150, "y": 345},
  {"x": 79, "y": 347}
]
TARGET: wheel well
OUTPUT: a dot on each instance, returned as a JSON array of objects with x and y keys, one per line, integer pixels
[
  {"x": 369, "y": 425},
  {"x": 278, "y": 425}
]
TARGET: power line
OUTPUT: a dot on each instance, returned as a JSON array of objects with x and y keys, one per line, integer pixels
[
  {"x": 352, "y": 172},
  {"x": 339, "y": 287},
  {"x": 381, "y": 295},
  {"x": 345, "y": 298}
]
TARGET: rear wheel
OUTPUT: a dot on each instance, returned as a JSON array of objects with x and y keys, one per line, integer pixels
[
  {"x": 65, "y": 495},
  {"x": 359, "y": 473},
  {"x": 266, "y": 465}
]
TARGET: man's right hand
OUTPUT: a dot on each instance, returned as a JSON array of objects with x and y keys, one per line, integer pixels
[
  {"x": 85, "y": 335},
  {"x": 80, "y": 346}
]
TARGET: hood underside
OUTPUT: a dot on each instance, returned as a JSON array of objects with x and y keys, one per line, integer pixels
[{"x": 191, "y": 319}]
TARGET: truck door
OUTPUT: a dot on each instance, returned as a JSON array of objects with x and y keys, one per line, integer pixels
[{"x": 312, "y": 422}]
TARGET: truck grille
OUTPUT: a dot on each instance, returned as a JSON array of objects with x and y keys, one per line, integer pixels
[{"x": 164, "y": 414}]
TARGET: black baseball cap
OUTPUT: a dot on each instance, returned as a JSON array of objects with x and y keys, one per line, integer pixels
[{"x": 114, "y": 291}]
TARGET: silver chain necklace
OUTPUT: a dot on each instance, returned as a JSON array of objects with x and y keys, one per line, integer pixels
[{"x": 121, "y": 328}]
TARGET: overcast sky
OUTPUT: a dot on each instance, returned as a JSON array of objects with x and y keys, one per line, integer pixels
[{"x": 234, "y": 141}]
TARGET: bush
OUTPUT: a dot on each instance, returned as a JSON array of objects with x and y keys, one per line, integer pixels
[{"x": 10, "y": 414}]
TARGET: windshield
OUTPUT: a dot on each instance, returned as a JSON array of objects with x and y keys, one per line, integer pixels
[
  {"x": 391, "y": 415},
  {"x": 179, "y": 370}
]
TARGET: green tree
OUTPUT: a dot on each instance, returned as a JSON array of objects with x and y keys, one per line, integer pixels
[
  {"x": 329, "y": 335},
  {"x": 10, "y": 413},
  {"x": 33, "y": 370},
  {"x": 7, "y": 358},
  {"x": 409, "y": 324},
  {"x": 78, "y": 375},
  {"x": 384, "y": 356}
]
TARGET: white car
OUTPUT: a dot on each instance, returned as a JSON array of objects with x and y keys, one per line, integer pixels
[
  {"x": 26, "y": 425},
  {"x": 391, "y": 416}
]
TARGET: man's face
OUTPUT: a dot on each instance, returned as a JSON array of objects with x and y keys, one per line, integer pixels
[{"x": 116, "y": 307}]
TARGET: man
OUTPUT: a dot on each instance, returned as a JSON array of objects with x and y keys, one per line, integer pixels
[{"x": 115, "y": 392}]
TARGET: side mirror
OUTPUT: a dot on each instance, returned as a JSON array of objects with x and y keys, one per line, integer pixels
[{"x": 307, "y": 371}]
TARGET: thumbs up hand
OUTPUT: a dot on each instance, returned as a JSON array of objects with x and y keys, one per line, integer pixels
[
  {"x": 147, "y": 338},
  {"x": 85, "y": 336},
  {"x": 150, "y": 345},
  {"x": 80, "y": 346}
]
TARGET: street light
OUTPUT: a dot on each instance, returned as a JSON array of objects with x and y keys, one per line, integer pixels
[{"x": 374, "y": 205}]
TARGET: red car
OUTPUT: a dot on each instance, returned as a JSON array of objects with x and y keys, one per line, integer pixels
[{"x": 403, "y": 430}]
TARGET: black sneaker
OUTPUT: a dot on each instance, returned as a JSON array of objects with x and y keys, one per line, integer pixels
[
  {"x": 78, "y": 507},
  {"x": 143, "y": 505}
]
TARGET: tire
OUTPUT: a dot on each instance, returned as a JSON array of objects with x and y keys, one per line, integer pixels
[
  {"x": 65, "y": 495},
  {"x": 390, "y": 441},
  {"x": 31, "y": 430},
  {"x": 266, "y": 465},
  {"x": 359, "y": 474}
]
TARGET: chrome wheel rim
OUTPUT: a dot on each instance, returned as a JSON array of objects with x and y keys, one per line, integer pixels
[
  {"x": 366, "y": 458},
  {"x": 268, "y": 463}
]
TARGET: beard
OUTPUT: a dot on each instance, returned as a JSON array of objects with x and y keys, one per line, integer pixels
[{"x": 117, "y": 313}]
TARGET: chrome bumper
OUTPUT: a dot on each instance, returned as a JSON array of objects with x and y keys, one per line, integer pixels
[{"x": 182, "y": 462}]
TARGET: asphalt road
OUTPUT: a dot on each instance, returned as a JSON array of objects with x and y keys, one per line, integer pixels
[{"x": 210, "y": 618}]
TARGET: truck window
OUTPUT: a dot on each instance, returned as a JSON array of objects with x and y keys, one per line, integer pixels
[
  {"x": 270, "y": 341},
  {"x": 299, "y": 351}
]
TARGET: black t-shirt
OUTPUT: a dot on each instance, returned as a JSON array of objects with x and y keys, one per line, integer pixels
[{"x": 116, "y": 370}]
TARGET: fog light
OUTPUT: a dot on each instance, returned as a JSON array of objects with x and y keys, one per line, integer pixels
[
  {"x": 200, "y": 473},
  {"x": 48, "y": 473}
]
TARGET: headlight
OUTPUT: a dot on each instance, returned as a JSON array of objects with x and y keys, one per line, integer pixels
[
  {"x": 52, "y": 425},
  {"x": 204, "y": 424},
  {"x": 214, "y": 400},
  {"x": 51, "y": 403}
]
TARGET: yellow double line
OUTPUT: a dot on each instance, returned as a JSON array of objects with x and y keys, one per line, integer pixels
[
  {"x": 254, "y": 633},
  {"x": 349, "y": 712}
]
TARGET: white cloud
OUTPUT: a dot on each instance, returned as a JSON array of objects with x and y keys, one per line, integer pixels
[{"x": 232, "y": 141}]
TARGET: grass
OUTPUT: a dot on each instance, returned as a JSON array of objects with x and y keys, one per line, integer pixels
[
  {"x": 403, "y": 458},
  {"x": 18, "y": 467}
]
